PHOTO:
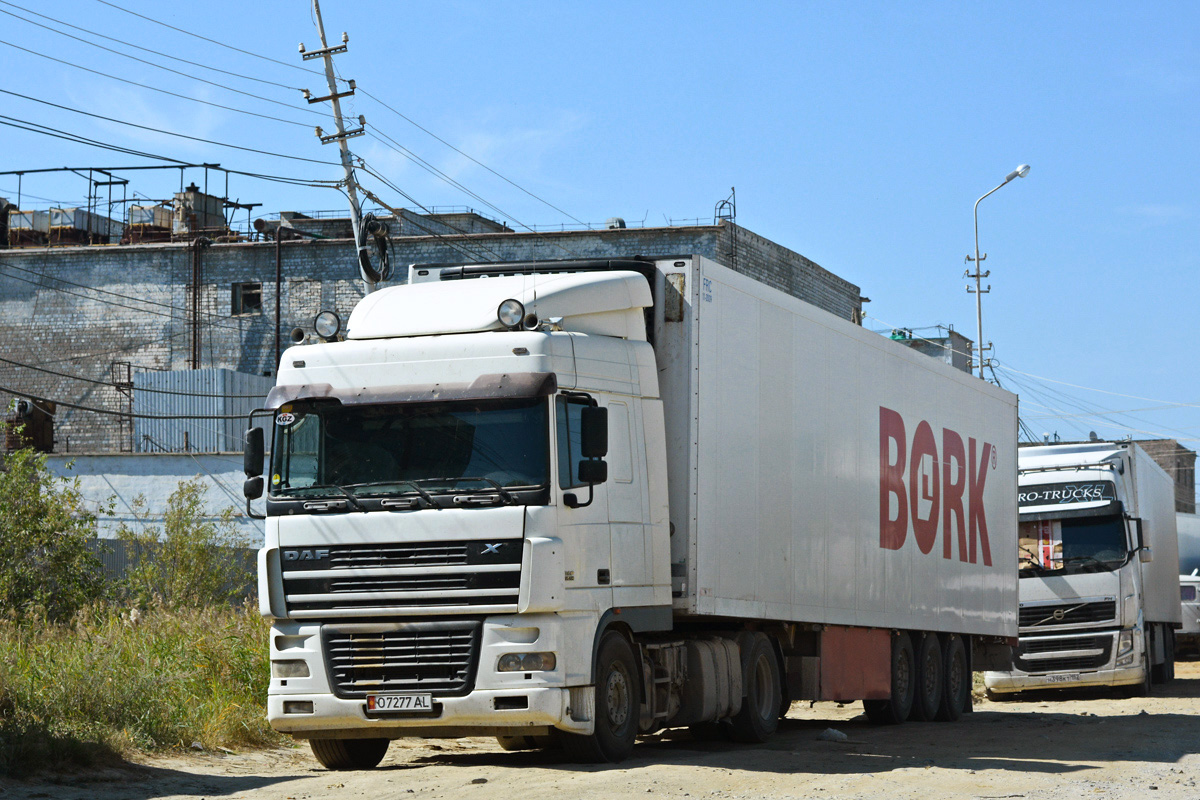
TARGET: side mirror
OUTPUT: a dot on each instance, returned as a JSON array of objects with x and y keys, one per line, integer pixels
[
  {"x": 253, "y": 488},
  {"x": 593, "y": 434},
  {"x": 593, "y": 471},
  {"x": 252, "y": 456}
]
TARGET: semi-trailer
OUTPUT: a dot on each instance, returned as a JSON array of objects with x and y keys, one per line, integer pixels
[{"x": 577, "y": 502}]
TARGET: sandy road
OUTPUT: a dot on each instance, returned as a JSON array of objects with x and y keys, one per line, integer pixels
[{"x": 1060, "y": 747}]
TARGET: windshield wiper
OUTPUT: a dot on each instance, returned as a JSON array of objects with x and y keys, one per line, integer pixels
[
  {"x": 504, "y": 494},
  {"x": 1086, "y": 560},
  {"x": 345, "y": 490},
  {"x": 424, "y": 495}
]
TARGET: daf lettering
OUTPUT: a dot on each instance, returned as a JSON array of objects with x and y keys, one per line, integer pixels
[{"x": 306, "y": 555}]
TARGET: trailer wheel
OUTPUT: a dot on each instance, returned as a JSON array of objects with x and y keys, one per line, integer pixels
[
  {"x": 927, "y": 700},
  {"x": 895, "y": 709},
  {"x": 956, "y": 679},
  {"x": 759, "y": 717},
  {"x": 617, "y": 702},
  {"x": 343, "y": 754}
]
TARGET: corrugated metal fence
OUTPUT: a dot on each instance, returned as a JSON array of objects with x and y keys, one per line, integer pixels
[{"x": 202, "y": 395}]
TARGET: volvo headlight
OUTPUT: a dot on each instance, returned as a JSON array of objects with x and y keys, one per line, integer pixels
[
  {"x": 1124, "y": 642},
  {"x": 510, "y": 313},
  {"x": 526, "y": 662}
]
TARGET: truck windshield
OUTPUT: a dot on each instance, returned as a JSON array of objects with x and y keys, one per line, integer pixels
[
  {"x": 1074, "y": 545},
  {"x": 327, "y": 449}
]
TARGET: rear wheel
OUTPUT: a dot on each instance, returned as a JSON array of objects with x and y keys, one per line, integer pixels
[
  {"x": 895, "y": 709},
  {"x": 759, "y": 717},
  {"x": 343, "y": 754},
  {"x": 617, "y": 701},
  {"x": 956, "y": 679},
  {"x": 927, "y": 698}
]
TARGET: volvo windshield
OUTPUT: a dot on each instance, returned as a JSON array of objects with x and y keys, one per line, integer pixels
[
  {"x": 325, "y": 449},
  {"x": 1072, "y": 545}
]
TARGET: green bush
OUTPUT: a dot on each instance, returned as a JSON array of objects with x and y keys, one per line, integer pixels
[
  {"x": 45, "y": 566},
  {"x": 193, "y": 560},
  {"x": 118, "y": 681}
]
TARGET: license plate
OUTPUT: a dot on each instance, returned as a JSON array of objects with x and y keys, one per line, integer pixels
[
  {"x": 1066, "y": 677},
  {"x": 400, "y": 702}
]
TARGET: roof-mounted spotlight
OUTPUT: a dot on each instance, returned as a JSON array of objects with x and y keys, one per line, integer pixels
[
  {"x": 511, "y": 313},
  {"x": 327, "y": 325}
]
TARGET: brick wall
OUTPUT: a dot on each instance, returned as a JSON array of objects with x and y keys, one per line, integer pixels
[{"x": 77, "y": 311}]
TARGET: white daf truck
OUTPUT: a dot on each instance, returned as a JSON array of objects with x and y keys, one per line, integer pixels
[
  {"x": 1099, "y": 565},
  {"x": 574, "y": 502}
]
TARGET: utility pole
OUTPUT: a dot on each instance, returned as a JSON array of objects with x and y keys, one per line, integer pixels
[{"x": 369, "y": 276}]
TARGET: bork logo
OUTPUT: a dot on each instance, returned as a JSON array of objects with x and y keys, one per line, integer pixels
[
  {"x": 306, "y": 555},
  {"x": 934, "y": 491}
]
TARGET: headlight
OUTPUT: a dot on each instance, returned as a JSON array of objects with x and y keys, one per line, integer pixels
[
  {"x": 327, "y": 324},
  {"x": 1124, "y": 642},
  {"x": 526, "y": 662},
  {"x": 510, "y": 313},
  {"x": 289, "y": 669}
]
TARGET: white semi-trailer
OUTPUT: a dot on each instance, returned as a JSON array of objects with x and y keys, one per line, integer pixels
[
  {"x": 580, "y": 501},
  {"x": 1099, "y": 563}
]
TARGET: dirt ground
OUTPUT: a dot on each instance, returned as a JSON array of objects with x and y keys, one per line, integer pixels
[{"x": 1060, "y": 746}]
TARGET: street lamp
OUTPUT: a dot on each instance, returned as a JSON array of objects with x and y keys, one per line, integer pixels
[{"x": 1020, "y": 172}]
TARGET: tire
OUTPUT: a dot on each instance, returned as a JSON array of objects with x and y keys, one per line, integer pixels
[
  {"x": 956, "y": 679},
  {"x": 1165, "y": 671},
  {"x": 344, "y": 754},
  {"x": 759, "y": 717},
  {"x": 617, "y": 706},
  {"x": 927, "y": 699},
  {"x": 895, "y": 709}
]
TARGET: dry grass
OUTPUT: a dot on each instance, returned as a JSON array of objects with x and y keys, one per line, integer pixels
[{"x": 108, "y": 685}]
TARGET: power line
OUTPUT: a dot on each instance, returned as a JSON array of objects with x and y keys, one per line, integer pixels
[
  {"x": 112, "y": 385},
  {"x": 205, "y": 38},
  {"x": 473, "y": 159},
  {"x": 184, "y": 312},
  {"x": 111, "y": 412},
  {"x": 159, "y": 66},
  {"x": 161, "y": 130},
  {"x": 147, "y": 49}
]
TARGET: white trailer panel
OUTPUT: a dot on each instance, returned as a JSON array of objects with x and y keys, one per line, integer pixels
[
  {"x": 792, "y": 446},
  {"x": 1156, "y": 508}
]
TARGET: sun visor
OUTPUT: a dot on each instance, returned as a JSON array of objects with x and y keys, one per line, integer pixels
[{"x": 495, "y": 386}]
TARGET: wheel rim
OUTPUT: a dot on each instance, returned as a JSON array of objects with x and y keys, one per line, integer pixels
[
  {"x": 617, "y": 695},
  {"x": 932, "y": 679},
  {"x": 763, "y": 684},
  {"x": 903, "y": 676}
]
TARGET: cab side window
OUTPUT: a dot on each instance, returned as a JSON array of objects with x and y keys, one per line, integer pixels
[{"x": 569, "y": 414}]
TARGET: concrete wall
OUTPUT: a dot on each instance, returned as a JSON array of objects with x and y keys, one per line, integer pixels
[
  {"x": 120, "y": 478},
  {"x": 73, "y": 313}
]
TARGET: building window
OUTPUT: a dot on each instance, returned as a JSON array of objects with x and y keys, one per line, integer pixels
[{"x": 247, "y": 299}]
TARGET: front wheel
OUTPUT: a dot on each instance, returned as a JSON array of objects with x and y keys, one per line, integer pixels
[
  {"x": 343, "y": 754},
  {"x": 617, "y": 706}
]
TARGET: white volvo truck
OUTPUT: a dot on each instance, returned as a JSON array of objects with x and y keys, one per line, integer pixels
[
  {"x": 575, "y": 502},
  {"x": 1099, "y": 565}
]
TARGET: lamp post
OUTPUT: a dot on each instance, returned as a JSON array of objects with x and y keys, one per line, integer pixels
[{"x": 1020, "y": 172}]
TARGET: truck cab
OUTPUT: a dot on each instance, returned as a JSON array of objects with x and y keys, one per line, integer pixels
[{"x": 1098, "y": 561}]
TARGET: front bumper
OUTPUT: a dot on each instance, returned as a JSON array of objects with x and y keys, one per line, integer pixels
[
  {"x": 1076, "y": 660},
  {"x": 486, "y": 702},
  {"x": 475, "y": 714}
]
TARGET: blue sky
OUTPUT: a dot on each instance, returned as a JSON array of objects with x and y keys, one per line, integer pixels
[{"x": 859, "y": 134}]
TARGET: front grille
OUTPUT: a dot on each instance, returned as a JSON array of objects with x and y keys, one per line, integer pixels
[
  {"x": 1068, "y": 663},
  {"x": 1042, "y": 616},
  {"x": 436, "y": 657},
  {"x": 414, "y": 576}
]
